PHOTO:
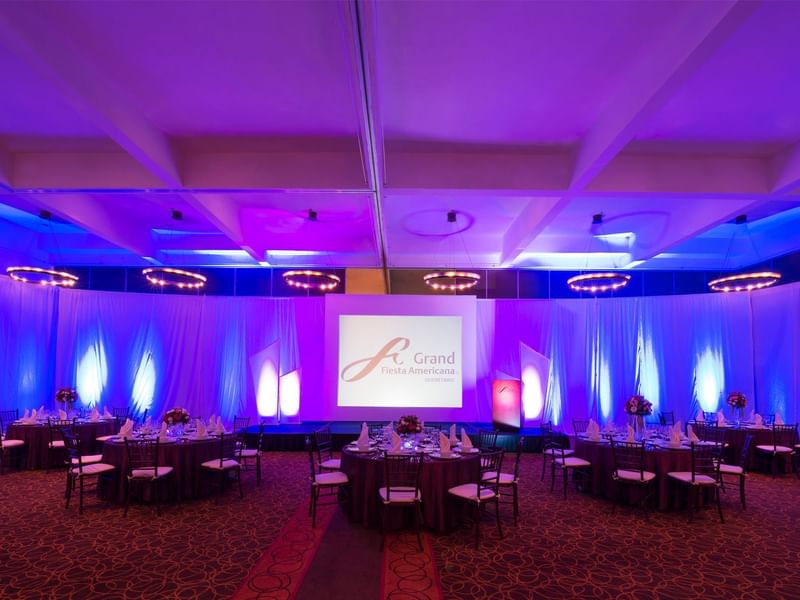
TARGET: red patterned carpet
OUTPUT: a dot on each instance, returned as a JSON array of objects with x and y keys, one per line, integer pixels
[{"x": 560, "y": 549}]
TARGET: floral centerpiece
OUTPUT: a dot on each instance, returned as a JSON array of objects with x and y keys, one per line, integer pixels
[
  {"x": 176, "y": 416},
  {"x": 67, "y": 396},
  {"x": 409, "y": 424},
  {"x": 737, "y": 400},
  {"x": 638, "y": 405}
]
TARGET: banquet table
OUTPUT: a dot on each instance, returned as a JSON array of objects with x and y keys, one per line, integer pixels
[
  {"x": 734, "y": 438},
  {"x": 185, "y": 457},
  {"x": 439, "y": 510},
  {"x": 37, "y": 438},
  {"x": 657, "y": 460}
]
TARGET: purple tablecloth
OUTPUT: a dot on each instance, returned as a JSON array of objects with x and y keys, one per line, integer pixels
[
  {"x": 439, "y": 510},
  {"x": 658, "y": 461},
  {"x": 37, "y": 438},
  {"x": 185, "y": 457}
]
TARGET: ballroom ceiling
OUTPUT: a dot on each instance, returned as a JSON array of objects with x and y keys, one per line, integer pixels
[{"x": 206, "y": 133}]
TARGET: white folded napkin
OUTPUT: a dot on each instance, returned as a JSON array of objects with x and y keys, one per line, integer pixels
[
  {"x": 631, "y": 437},
  {"x": 700, "y": 416},
  {"x": 106, "y": 414},
  {"x": 453, "y": 437},
  {"x": 778, "y": 420},
  {"x": 220, "y": 426},
  {"x": 396, "y": 442},
  {"x": 163, "y": 433},
  {"x": 363, "y": 437},
  {"x": 466, "y": 443},
  {"x": 32, "y": 419},
  {"x": 26, "y": 415},
  {"x": 126, "y": 431},
  {"x": 212, "y": 422},
  {"x": 200, "y": 431},
  {"x": 691, "y": 435},
  {"x": 752, "y": 415},
  {"x": 720, "y": 419},
  {"x": 675, "y": 436},
  {"x": 94, "y": 415},
  {"x": 62, "y": 414},
  {"x": 758, "y": 421},
  {"x": 609, "y": 427},
  {"x": 593, "y": 430},
  {"x": 444, "y": 444},
  {"x": 679, "y": 428},
  {"x": 41, "y": 411}
]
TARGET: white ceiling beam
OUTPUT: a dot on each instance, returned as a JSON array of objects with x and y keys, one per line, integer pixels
[
  {"x": 223, "y": 213},
  {"x": 675, "y": 55},
  {"x": 78, "y": 80}
]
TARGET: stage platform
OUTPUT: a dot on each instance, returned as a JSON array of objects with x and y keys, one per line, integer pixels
[{"x": 291, "y": 437}]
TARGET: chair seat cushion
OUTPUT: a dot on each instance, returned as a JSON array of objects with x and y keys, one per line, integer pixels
[
  {"x": 331, "y": 478},
  {"x": 686, "y": 477},
  {"x": 149, "y": 472},
  {"x": 104, "y": 438},
  {"x": 505, "y": 478},
  {"x": 635, "y": 475},
  {"x": 92, "y": 469},
  {"x": 228, "y": 463},
  {"x": 88, "y": 459},
  {"x": 776, "y": 449},
  {"x": 731, "y": 469},
  {"x": 572, "y": 462},
  {"x": 469, "y": 491},
  {"x": 556, "y": 452},
  {"x": 333, "y": 464},
  {"x": 401, "y": 495},
  {"x": 56, "y": 444},
  {"x": 12, "y": 443},
  {"x": 249, "y": 452}
]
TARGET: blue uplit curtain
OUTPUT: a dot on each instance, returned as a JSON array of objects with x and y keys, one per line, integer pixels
[{"x": 27, "y": 314}]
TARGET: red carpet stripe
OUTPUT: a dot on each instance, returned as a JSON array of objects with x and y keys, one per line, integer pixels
[
  {"x": 408, "y": 573},
  {"x": 280, "y": 570}
]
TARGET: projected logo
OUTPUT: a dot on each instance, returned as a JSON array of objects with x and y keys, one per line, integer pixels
[{"x": 399, "y": 361}]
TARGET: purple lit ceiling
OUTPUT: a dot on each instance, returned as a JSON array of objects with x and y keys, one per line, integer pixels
[{"x": 525, "y": 118}]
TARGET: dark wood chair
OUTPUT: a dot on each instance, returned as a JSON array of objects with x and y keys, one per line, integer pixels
[
  {"x": 325, "y": 484},
  {"x": 666, "y": 418},
  {"x": 226, "y": 463},
  {"x": 784, "y": 438},
  {"x": 143, "y": 469},
  {"x": 8, "y": 446},
  {"x": 323, "y": 442},
  {"x": 510, "y": 481},
  {"x": 579, "y": 426},
  {"x": 483, "y": 491},
  {"x": 79, "y": 472},
  {"x": 9, "y": 416},
  {"x": 375, "y": 430},
  {"x": 551, "y": 444},
  {"x": 738, "y": 470},
  {"x": 568, "y": 463},
  {"x": 487, "y": 440},
  {"x": 704, "y": 474},
  {"x": 249, "y": 454},
  {"x": 56, "y": 445},
  {"x": 401, "y": 489},
  {"x": 240, "y": 424},
  {"x": 120, "y": 412},
  {"x": 629, "y": 471}
]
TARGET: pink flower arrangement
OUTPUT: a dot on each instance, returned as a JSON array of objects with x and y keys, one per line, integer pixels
[
  {"x": 409, "y": 424},
  {"x": 176, "y": 415},
  {"x": 66, "y": 395},
  {"x": 737, "y": 400},
  {"x": 637, "y": 405}
]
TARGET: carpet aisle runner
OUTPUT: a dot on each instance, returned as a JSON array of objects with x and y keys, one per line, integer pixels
[{"x": 336, "y": 560}]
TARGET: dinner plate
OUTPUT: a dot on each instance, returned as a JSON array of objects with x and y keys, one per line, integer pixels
[
  {"x": 358, "y": 450},
  {"x": 470, "y": 450},
  {"x": 451, "y": 456}
]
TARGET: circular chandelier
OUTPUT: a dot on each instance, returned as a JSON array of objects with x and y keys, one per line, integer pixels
[
  {"x": 451, "y": 280},
  {"x": 596, "y": 283},
  {"x": 311, "y": 280},
  {"x": 42, "y": 276},
  {"x": 744, "y": 282},
  {"x": 167, "y": 276}
]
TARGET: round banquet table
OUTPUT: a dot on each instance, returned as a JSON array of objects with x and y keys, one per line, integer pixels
[
  {"x": 439, "y": 510},
  {"x": 184, "y": 456},
  {"x": 734, "y": 437},
  {"x": 37, "y": 438},
  {"x": 656, "y": 460}
]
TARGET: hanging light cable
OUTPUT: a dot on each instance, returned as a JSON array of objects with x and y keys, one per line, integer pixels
[
  {"x": 601, "y": 281},
  {"x": 40, "y": 275},
  {"x": 453, "y": 280},
  {"x": 743, "y": 282}
]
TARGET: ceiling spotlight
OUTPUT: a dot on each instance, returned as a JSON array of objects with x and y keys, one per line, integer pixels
[
  {"x": 177, "y": 215},
  {"x": 312, "y": 215},
  {"x": 46, "y": 215},
  {"x": 597, "y": 219},
  {"x": 741, "y": 219},
  {"x": 451, "y": 216}
]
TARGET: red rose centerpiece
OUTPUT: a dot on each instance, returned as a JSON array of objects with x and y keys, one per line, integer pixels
[
  {"x": 737, "y": 401},
  {"x": 638, "y": 405},
  {"x": 176, "y": 416},
  {"x": 409, "y": 424}
]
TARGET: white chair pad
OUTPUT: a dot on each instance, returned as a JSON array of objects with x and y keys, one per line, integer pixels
[
  {"x": 554, "y": 452},
  {"x": 149, "y": 472},
  {"x": 226, "y": 464},
  {"x": 505, "y": 478},
  {"x": 331, "y": 478},
  {"x": 731, "y": 469},
  {"x": 249, "y": 452},
  {"x": 92, "y": 469},
  {"x": 778, "y": 449},
  {"x": 635, "y": 475},
  {"x": 572, "y": 462},
  {"x": 469, "y": 491},
  {"x": 88, "y": 459},
  {"x": 56, "y": 444},
  {"x": 686, "y": 477},
  {"x": 104, "y": 438},
  {"x": 333, "y": 464},
  {"x": 12, "y": 443},
  {"x": 401, "y": 495}
]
